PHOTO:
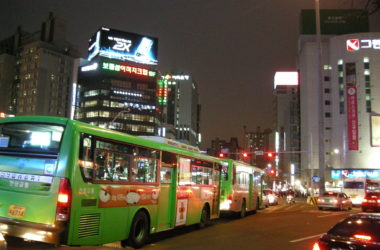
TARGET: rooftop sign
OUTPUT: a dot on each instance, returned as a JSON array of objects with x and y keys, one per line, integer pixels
[
  {"x": 286, "y": 78},
  {"x": 123, "y": 46},
  {"x": 335, "y": 22},
  {"x": 358, "y": 44}
]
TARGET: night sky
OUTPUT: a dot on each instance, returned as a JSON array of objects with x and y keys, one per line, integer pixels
[{"x": 232, "y": 48}]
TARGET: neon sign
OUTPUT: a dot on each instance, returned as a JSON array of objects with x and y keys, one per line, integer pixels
[
  {"x": 123, "y": 46},
  {"x": 177, "y": 77},
  {"x": 355, "y": 173},
  {"x": 162, "y": 92},
  {"x": 91, "y": 67},
  {"x": 128, "y": 69},
  {"x": 356, "y": 44}
]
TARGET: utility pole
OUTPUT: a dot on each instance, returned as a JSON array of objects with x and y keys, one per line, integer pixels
[{"x": 321, "y": 141}]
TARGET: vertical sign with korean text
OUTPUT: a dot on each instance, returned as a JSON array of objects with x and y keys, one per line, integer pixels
[{"x": 352, "y": 118}]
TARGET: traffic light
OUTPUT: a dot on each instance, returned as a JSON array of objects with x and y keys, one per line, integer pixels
[
  {"x": 272, "y": 171},
  {"x": 270, "y": 155}
]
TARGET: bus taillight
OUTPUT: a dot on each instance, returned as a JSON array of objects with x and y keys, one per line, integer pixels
[{"x": 64, "y": 200}]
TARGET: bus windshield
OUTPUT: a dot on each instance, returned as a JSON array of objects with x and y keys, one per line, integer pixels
[{"x": 30, "y": 137}]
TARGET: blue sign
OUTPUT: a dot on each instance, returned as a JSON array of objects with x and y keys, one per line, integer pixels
[
  {"x": 316, "y": 179},
  {"x": 356, "y": 173}
]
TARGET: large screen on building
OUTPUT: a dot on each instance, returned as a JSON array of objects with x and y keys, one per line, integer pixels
[{"x": 123, "y": 46}]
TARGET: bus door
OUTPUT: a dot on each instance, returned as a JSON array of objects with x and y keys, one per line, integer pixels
[
  {"x": 166, "y": 202},
  {"x": 216, "y": 191},
  {"x": 251, "y": 202}
]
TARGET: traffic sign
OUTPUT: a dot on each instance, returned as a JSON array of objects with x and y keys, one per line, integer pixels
[{"x": 316, "y": 179}]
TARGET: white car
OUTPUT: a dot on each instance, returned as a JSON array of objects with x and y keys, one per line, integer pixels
[{"x": 270, "y": 196}]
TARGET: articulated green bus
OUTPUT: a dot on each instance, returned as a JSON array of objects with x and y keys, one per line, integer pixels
[
  {"x": 67, "y": 182},
  {"x": 240, "y": 187}
]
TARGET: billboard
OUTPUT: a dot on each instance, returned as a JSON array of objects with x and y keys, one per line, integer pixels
[
  {"x": 123, "y": 46},
  {"x": 335, "y": 22}
]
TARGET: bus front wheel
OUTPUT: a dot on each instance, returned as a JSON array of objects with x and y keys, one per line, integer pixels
[{"x": 139, "y": 232}]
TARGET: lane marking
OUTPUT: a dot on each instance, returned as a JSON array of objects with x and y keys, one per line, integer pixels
[
  {"x": 305, "y": 238},
  {"x": 327, "y": 215}
]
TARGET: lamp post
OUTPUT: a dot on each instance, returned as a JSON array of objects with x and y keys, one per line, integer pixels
[
  {"x": 321, "y": 153},
  {"x": 117, "y": 115}
]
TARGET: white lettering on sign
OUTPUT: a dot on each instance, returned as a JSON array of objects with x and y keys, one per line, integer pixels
[
  {"x": 121, "y": 43},
  {"x": 91, "y": 67},
  {"x": 26, "y": 177},
  {"x": 356, "y": 44}
]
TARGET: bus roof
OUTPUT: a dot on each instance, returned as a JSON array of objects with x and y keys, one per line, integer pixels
[{"x": 112, "y": 134}]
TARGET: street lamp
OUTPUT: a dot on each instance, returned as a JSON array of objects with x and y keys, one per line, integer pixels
[{"x": 117, "y": 115}]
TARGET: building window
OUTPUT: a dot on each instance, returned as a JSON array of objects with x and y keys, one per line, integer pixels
[
  {"x": 327, "y": 102},
  {"x": 327, "y": 91},
  {"x": 327, "y": 114},
  {"x": 367, "y": 79},
  {"x": 91, "y": 93}
]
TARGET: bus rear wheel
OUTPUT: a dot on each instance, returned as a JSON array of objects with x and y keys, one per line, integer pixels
[
  {"x": 243, "y": 210},
  {"x": 205, "y": 218},
  {"x": 139, "y": 232}
]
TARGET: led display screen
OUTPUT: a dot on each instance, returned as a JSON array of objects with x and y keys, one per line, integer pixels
[
  {"x": 355, "y": 173},
  {"x": 123, "y": 46}
]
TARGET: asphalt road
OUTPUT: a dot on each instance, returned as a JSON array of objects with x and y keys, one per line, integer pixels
[{"x": 278, "y": 227}]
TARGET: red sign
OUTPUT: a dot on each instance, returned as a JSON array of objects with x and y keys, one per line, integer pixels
[
  {"x": 352, "y": 118},
  {"x": 352, "y": 44}
]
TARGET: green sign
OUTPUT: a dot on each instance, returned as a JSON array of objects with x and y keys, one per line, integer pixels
[{"x": 335, "y": 22}]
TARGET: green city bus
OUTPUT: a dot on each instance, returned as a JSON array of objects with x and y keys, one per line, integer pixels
[
  {"x": 67, "y": 182},
  {"x": 240, "y": 187}
]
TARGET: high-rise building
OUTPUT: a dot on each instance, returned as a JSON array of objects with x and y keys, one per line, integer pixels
[
  {"x": 36, "y": 71},
  {"x": 350, "y": 101},
  {"x": 117, "y": 85},
  {"x": 258, "y": 141},
  {"x": 287, "y": 116},
  {"x": 225, "y": 149},
  {"x": 181, "y": 109}
]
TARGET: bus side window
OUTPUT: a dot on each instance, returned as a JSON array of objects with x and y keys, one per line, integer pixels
[
  {"x": 121, "y": 168},
  {"x": 144, "y": 170},
  {"x": 86, "y": 161},
  {"x": 102, "y": 164},
  {"x": 166, "y": 175}
]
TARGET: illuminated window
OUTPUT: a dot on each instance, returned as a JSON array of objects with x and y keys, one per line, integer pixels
[
  {"x": 91, "y": 93},
  {"x": 92, "y": 114},
  {"x": 91, "y": 103},
  {"x": 104, "y": 114}
]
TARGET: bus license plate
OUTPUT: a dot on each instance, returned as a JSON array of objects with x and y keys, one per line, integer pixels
[{"x": 16, "y": 211}]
